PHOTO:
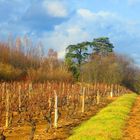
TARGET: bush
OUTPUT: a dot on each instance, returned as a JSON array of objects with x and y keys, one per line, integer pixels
[{"x": 8, "y": 72}]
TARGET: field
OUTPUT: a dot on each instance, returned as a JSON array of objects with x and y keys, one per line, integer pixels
[{"x": 50, "y": 110}]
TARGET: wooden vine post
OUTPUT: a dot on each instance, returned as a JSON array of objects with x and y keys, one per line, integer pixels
[
  {"x": 83, "y": 100},
  {"x": 111, "y": 91},
  {"x": 63, "y": 88},
  {"x": 19, "y": 97},
  {"x": 30, "y": 89},
  {"x": 118, "y": 90},
  {"x": 55, "y": 109},
  {"x": 3, "y": 91},
  {"x": 7, "y": 109},
  {"x": 50, "y": 103},
  {"x": 98, "y": 97}
]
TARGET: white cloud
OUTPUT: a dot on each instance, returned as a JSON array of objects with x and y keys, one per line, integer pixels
[
  {"x": 101, "y": 19},
  {"x": 85, "y": 13},
  {"x": 86, "y": 25},
  {"x": 81, "y": 27},
  {"x": 63, "y": 36},
  {"x": 55, "y": 8}
]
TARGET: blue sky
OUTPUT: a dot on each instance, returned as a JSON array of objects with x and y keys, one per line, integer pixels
[{"x": 58, "y": 23}]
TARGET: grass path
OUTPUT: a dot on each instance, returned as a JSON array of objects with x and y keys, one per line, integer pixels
[
  {"x": 132, "y": 130},
  {"x": 109, "y": 123}
]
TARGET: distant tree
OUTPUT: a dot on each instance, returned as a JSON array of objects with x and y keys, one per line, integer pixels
[
  {"x": 78, "y": 53},
  {"x": 52, "y": 59},
  {"x": 103, "y": 70},
  {"x": 75, "y": 56},
  {"x": 10, "y": 41},
  {"x": 26, "y": 44},
  {"x": 72, "y": 67},
  {"x": 102, "y": 46},
  {"x": 18, "y": 44}
]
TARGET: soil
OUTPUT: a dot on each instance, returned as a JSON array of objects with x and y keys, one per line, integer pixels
[
  {"x": 64, "y": 129},
  {"x": 132, "y": 130}
]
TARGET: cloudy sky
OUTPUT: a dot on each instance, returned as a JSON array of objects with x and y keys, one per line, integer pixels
[{"x": 58, "y": 23}]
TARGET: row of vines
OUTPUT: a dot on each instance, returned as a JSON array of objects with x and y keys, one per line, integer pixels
[{"x": 30, "y": 104}]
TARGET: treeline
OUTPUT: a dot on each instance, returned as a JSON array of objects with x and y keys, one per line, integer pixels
[
  {"x": 96, "y": 62},
  {"x": 20, "y": 59}
]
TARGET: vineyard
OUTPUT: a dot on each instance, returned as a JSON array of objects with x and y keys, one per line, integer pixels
[
  {"x": 49, "y": 103},
  {"x": 69, "y": 70}
]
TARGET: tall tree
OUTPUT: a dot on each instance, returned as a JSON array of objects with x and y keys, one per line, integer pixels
[
  {"x": 102, "y": 46},
  {"x": 76, "y": 55}
]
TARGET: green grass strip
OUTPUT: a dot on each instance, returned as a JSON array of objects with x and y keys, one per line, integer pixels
[{"x": 108, "y": 124}]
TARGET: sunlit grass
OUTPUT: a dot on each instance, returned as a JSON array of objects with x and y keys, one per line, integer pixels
[{"x": 108, "y": 123}]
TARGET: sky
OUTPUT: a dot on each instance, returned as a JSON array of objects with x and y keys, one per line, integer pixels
[{"x": 59, "y": 23}]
